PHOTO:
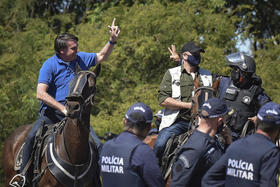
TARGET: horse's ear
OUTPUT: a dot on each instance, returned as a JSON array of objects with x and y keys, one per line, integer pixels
[
  {"x": 97, "y": 70},
  {"x": 216, "y": 83}
]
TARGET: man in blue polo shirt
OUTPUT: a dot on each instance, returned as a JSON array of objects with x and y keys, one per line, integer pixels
[
  {"x": 126, "y": 160},
  {"x": 252, "y": 161},
  {"x": 54, "y": 77}
]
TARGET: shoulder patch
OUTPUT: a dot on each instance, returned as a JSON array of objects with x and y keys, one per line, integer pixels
[{"x": 185, "y": 160}]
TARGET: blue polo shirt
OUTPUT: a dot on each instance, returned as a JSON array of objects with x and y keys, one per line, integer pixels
[{"x": 57, "y": 74}]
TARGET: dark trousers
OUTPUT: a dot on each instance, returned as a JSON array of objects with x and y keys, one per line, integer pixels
[
  {"x": 177, "y": 128},
  {"x": 47, "y": 117}
]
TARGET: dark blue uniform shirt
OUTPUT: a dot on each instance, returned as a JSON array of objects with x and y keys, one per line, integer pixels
[
  {"x": 262, "y": 98},
  {"x": 244, "y": 103},
  {"x": 143, "y": 160},
  {"x": 195, "y": 157},
  {"x": 248, "y": 162}
]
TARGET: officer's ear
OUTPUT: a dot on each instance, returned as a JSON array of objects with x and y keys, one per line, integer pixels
[
  {"x": 124, "y": 121},
  {"x": 220, "y": 120}
]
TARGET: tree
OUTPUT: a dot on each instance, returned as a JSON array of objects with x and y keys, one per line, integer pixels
[
  {"x": 140, "y": 58},
  {"x": 258, "y": 20},
  {"x": 135, "y": 69}
]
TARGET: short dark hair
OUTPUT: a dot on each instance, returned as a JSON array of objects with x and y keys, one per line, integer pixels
[
  {"x": 140, "y": 125},
  {"x": 267, "y": 127},
  {"x": 61, "y": 41}
]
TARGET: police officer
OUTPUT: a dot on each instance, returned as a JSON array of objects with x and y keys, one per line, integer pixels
[
  {"x": 253, "y": 160},
  {"x": 176, "y": 92},
  {"x": 242, "y": 92},
  {"x": 126, "y": 160},
  {"x": 202, "y": 149}
]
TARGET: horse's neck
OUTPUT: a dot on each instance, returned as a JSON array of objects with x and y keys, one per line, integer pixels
[
  {"x": 72, "y": 144},
  {"x": 196, "y": 81}
]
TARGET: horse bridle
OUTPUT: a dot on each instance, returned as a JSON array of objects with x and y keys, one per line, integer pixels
[
  {"x": 209, "y": 89},
  {"x": 77, "y": 96},
  {"x": 83, "y": 102},
  {"x": 205, "y": 88}
]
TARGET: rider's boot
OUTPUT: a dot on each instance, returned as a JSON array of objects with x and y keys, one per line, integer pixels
[{"x": 20, "y": 180}]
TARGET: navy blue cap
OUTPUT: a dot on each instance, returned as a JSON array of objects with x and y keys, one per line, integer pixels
[
  {"x": 270, "y": 113},
  {"x": 139, "y": 112},
  {"x": 213, "y": 108}
]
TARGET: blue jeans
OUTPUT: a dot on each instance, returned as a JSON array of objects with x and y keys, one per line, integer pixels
[
  {"x": 163, "y": 136},
  {"x": 47, "y": 117}
]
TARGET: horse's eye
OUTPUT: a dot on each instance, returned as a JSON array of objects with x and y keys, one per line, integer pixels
[{"x": 76, "y": 107}]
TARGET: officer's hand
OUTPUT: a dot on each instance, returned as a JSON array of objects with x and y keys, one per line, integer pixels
[
  {"x": 114, "y": 31},
  {"x": 174, "y": 56},
  {"x": 227, "y": 134},
  {"x": 254, "y": 120}
]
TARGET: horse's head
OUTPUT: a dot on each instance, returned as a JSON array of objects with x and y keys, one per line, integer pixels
[
  {"x": 82, "y": 89},
  {"x": 201, "y": 95}
]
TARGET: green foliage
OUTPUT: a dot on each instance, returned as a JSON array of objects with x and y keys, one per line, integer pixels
[
  {"x": 19, "y": 67},
  {"x": 141, "y": 56},
  {"x": 258, "y": 20},
  {"x": 268, "y": 67}
]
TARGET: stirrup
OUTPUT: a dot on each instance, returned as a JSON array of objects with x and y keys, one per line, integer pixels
[{"x": 19, "y": 183}]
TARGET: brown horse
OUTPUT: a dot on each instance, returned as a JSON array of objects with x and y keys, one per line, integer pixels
[
  {"x": 70, "y": 159},
  {"x": 201, "y": 94}
]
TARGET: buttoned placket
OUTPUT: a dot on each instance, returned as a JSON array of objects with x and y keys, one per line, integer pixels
[{"x": 70, "y": 68}]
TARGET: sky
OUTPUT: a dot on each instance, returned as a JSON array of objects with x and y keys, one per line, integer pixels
[{"x": 244, "y": 46}]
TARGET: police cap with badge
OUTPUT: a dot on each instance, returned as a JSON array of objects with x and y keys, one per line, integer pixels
[
  {"x": 213, "y": 108},
  {"x": 139, "y": 114},
  {"x": 270, "y": 113}
]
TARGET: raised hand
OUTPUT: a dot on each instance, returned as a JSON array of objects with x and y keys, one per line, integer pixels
[
  {"x": 114, "y": 31},
  {"x": 174, "y": 56}
]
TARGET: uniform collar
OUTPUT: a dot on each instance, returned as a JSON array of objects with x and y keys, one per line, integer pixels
[
  {"x": 59, "y": 60},
  {"x": 127, "y": 137},
  {"x": 205, "y": 135},
  {"x": 128, "y": 133},
  {"x": 263, "y": 136}
]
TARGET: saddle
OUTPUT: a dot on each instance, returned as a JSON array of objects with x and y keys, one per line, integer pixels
[
  {"x": 39, "y": 147},
  {"x": 43, "y": 138},
  {"x": 171, "y": 149}
]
